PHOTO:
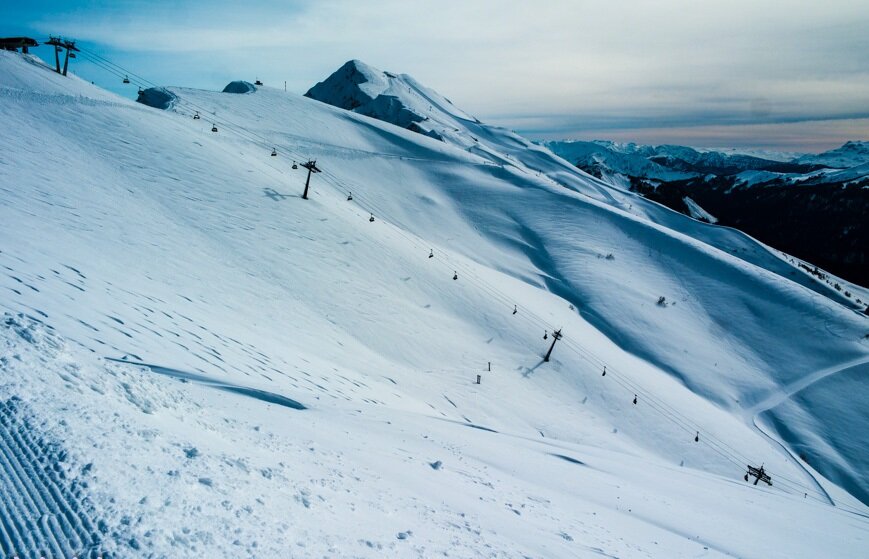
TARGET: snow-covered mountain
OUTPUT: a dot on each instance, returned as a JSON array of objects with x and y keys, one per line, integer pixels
[
  {"x": 811, "y": 206},
  {"x": 615, "y": 163},
  {"x": 401, "y": 100},
  {"x": 194, "y": 361},
  {"x": 851, "y": 154},
  {"x": 671, "y": 162}
]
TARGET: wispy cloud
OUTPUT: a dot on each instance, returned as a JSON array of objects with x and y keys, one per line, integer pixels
[{"x": 572, "y": 64}]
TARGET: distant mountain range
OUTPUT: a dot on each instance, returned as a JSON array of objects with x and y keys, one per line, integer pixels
[{"x": 813, "y": 206}]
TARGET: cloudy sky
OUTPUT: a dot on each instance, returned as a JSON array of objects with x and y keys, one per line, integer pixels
[{"x": 788, "y": 75}]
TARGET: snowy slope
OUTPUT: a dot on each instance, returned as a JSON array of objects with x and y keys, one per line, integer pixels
[
  {"x": 801, "y": 206},
  {"x": 139, "y": 235},
  {"x": 851, "y": 154},
  {"x": 401, "y": 100},
  {"x": 609, "y": 162},
  {"x": 363, "y": 89}
]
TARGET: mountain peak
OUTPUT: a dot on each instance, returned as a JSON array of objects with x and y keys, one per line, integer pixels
[
  {"x": 362, "y": 68},
  {"x": 355, "y": 84},
  {"x": 850, "y": 154}
]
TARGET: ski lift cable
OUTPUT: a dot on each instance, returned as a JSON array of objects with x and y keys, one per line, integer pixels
[
  {"x": 113, "y": 72},
  {"x": 591, "y": 358},
  {"x": 676, "y": 417},
  {"x": 670, "y": 413},
  {"x": 709, "y": 439},
  {"x": 660, "y": 406},
  {"x": 120, "y": 71},
  {"x": 241, "y": 130},
  {"x": 108, "y": 69},
  {"x": 119, "y": 67},
  {"x": 224, "y": 123}
]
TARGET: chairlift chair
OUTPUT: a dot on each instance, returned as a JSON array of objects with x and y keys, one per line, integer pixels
[
  {"x": 455, "y": 275},
  {"x": 214, "y": 128},
  {"x": 274, "y": 152},
  {"x": 126, "y": 79},
  {"x": 196, "y": 116},
  {"x": 295, "y": 166},
  {"x": 349, "y": 196},
  {"x": 371, "y": 219}
]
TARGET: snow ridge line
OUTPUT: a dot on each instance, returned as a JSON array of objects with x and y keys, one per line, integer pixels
[
  {"x": 42, "y": 512},
  {"x": 22, "y": 96}
]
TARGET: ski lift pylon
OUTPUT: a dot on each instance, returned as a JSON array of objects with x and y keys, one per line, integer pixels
[{"x": 759, "y": 474}]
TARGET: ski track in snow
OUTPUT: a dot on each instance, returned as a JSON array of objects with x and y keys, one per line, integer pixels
[
  {"x": 43, "y": 512},
  {"x": 780, "y": 394}
]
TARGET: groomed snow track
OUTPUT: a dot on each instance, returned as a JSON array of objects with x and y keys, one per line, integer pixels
[{"x": 43, "y": 513}]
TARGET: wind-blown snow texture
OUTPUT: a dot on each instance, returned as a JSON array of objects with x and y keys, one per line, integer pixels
[{"x": 169, "y": 297}]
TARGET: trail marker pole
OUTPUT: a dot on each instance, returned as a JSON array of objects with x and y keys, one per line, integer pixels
[
  {"x": 556, "y": 335},
  {"x": 311, "y": 166}
]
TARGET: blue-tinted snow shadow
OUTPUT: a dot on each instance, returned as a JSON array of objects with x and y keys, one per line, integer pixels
[
  {"x": 528, "y": 371},
  {"x": 262, "y": 395},
  {"x": 468, "y": 424},
  {"x": 569, "y": 459},
  {"x": 277, "y": 196}
]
